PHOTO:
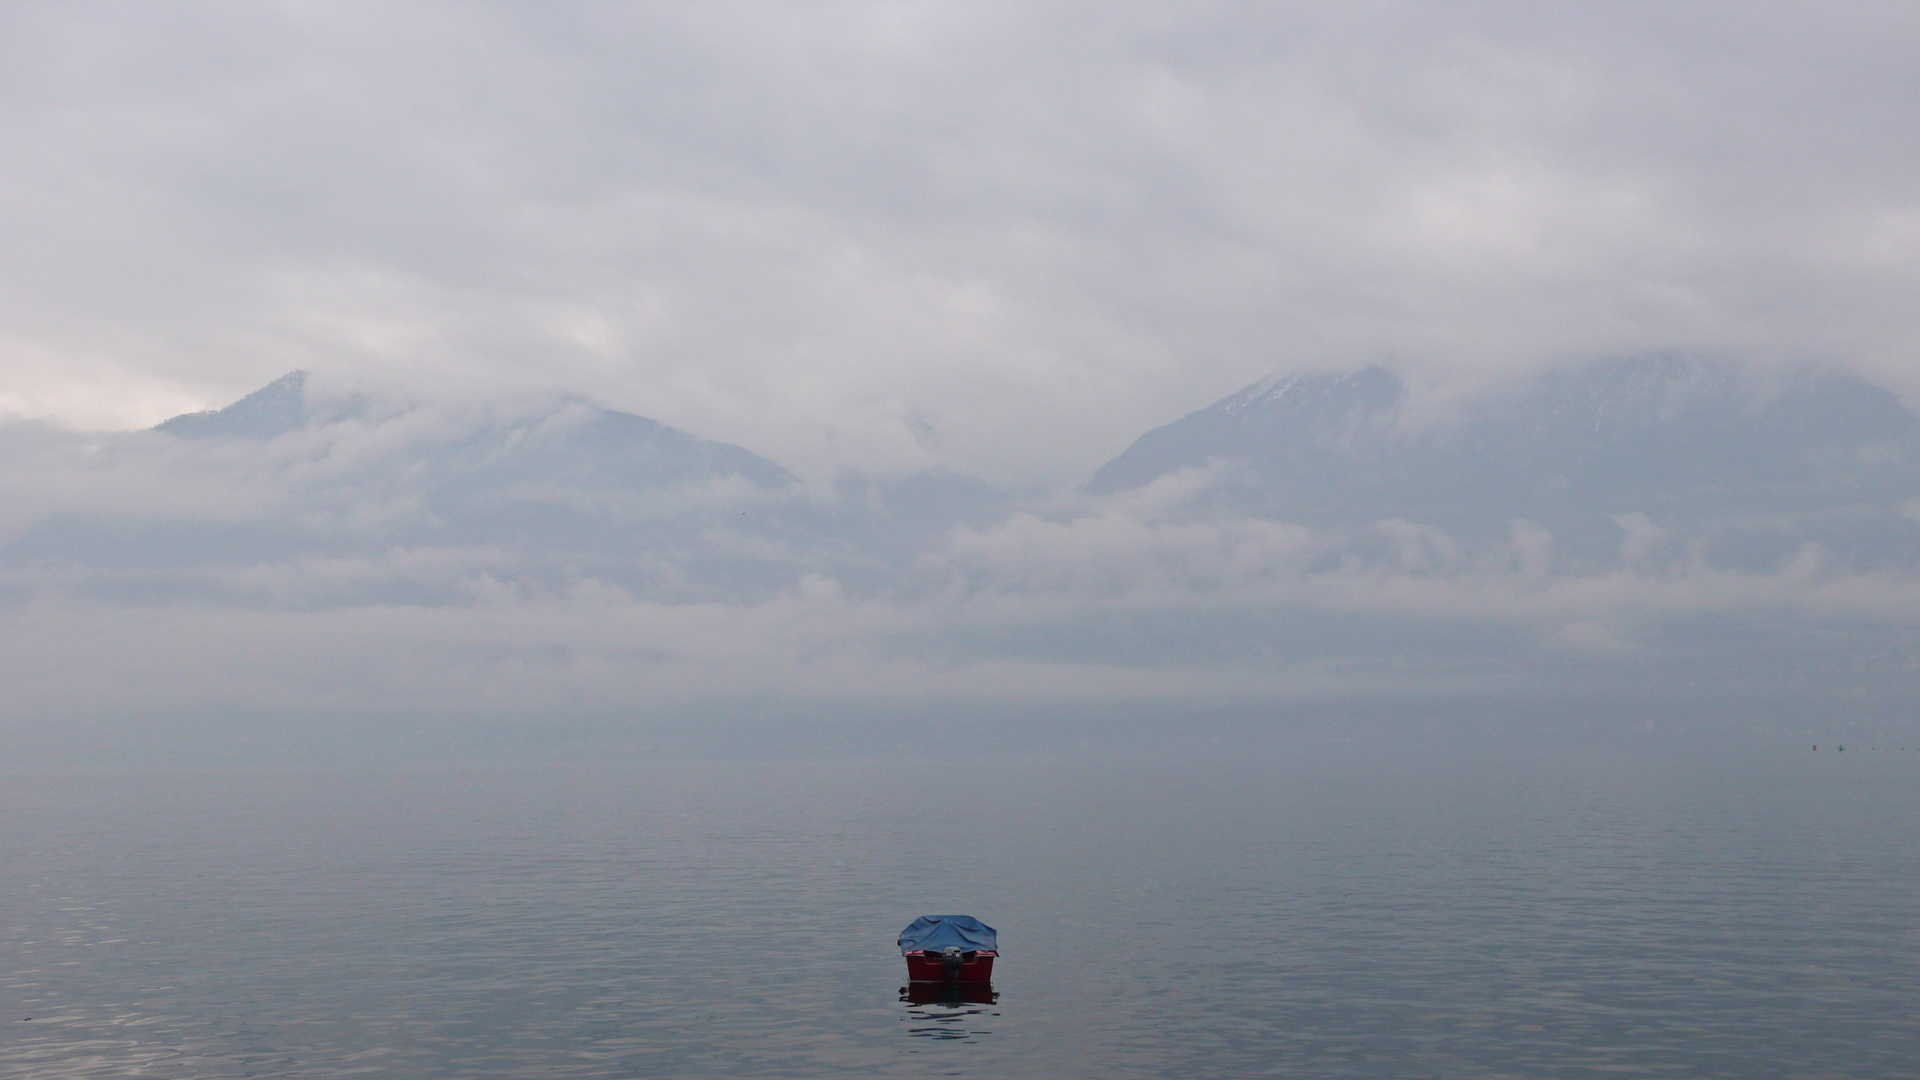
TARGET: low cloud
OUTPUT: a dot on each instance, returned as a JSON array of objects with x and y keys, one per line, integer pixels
[{"x": 1155, "y": 595}]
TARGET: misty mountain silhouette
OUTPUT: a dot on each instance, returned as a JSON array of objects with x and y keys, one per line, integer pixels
[
  {"x": 544, "y": 491},
  {"x": 554, "y": 487},
  {"x": 1659, "y": 461},
  {"x": 1758, "y": 466},
  {"x": 609, "y": 449},
  {"x": 274, "y": 409},
  {"x": 1662, "y": 526}
]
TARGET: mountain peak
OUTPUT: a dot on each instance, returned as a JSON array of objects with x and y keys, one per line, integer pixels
[
  {"x": 1370, "y": 389},
  {"x": 1695, "y": 444},
  {"x": 1306, "y": 410},
  {"x": 274, "y": 409}
]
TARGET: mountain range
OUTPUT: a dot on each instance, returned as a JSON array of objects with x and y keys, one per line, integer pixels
[
  {"x": 1748, "y": 465},
  {"x": 547, "y": 490},
  {"x": 1672, "y": 529},
  {"x": 1705, "y": 461}
]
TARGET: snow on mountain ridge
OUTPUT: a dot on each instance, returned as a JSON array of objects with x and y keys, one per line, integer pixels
[
  {"x": 539, "y": 490},
  {"x": 1705, "y": 447},
  {"x": 274, "y": 409}
]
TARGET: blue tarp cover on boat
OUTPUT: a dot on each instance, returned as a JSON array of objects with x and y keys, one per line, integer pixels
[{"x": 936, "y": 932}]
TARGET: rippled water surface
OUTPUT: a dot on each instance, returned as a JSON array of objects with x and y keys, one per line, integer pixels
[{"x": 1320, "y": 913}]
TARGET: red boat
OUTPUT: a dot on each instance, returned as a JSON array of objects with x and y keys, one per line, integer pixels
[
  {"x": 949, "y": 949},
  {"x": 974, "y": 965}
]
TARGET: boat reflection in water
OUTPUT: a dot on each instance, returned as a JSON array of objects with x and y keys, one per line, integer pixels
[
  {"x": 949, "y": 1012},
  {"x": 953, "y": 993}
]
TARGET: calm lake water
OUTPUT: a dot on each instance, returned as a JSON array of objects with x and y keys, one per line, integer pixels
[{"x": 1325, "y": 912}]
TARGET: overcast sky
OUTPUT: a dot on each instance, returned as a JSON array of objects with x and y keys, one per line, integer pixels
[{"x": 1003, "y": 239}]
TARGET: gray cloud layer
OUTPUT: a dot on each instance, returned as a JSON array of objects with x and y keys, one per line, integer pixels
[{"x": 1003, "y": 238}]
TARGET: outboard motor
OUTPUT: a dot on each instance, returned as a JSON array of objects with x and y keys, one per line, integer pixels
[{"x": 950, "y": 961}]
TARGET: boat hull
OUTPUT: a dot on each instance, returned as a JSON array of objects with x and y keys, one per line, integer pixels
[{"x": 932, "y": 967}]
